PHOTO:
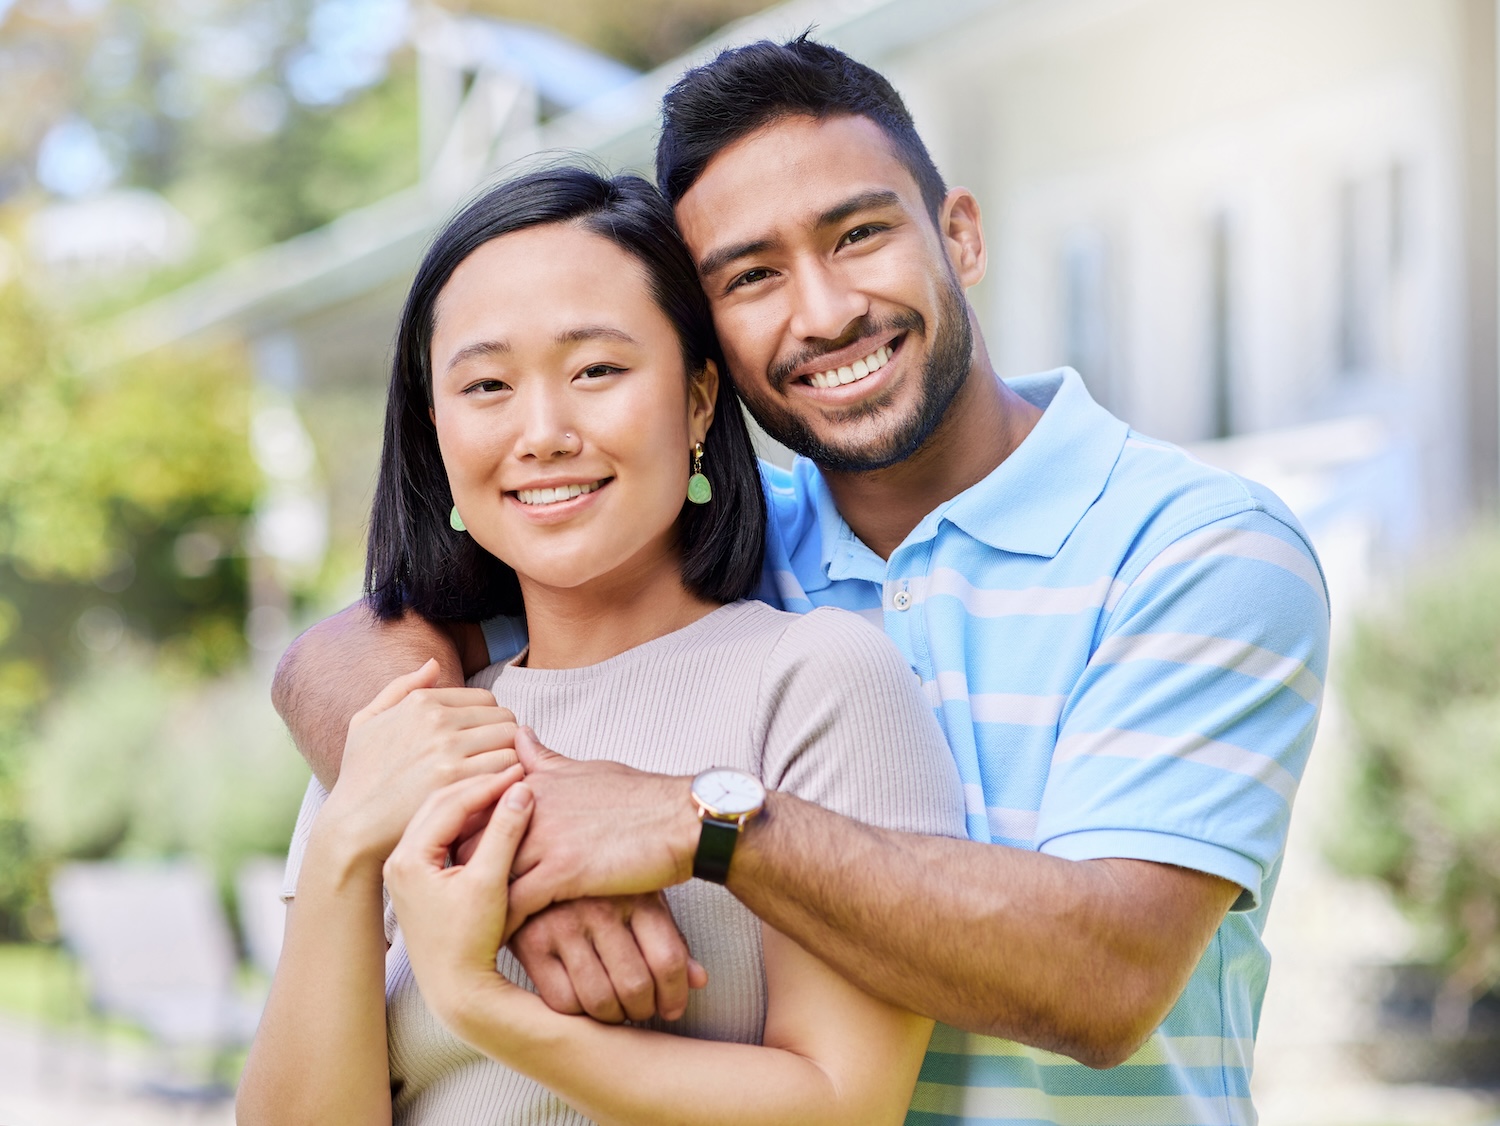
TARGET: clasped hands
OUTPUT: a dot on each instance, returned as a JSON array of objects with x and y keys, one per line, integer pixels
[{"x": 478, "y": 805}]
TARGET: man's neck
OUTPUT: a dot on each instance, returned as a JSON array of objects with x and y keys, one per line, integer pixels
[{"x": 983, "y": 426}]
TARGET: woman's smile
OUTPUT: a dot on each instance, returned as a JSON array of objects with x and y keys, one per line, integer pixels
[{"x": 555, "y": 503}]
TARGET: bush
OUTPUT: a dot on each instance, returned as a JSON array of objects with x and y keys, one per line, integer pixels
[
  {"x": 132, "y": 762},
  {"x": 1421, "y": 685}
]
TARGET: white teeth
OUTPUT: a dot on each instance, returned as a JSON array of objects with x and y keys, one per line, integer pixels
[
  {"x": 837, "y": 377},
  {"x": 552, "y": 496}
]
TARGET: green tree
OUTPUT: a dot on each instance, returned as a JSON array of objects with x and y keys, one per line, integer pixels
[{"x": 123, "y": 492}]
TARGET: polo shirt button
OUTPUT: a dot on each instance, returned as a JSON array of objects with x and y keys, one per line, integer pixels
[{"x": 901, "y": 600}]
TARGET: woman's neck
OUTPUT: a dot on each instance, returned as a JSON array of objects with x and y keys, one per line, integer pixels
[{"x": 575, "y": 627}]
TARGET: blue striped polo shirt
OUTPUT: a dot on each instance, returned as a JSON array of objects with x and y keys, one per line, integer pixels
[{"x": 1126, "y": 649}]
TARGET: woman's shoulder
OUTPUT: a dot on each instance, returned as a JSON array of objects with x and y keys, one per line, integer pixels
[{"x": 838, "y": 642}]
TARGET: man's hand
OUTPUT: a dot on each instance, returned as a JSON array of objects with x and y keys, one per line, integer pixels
[
  {"x": 598, "y": 829},
  {"x": 614, "y": 959}
]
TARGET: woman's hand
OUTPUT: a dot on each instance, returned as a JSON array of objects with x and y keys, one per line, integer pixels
[
  {"x": 411, "y": 740},
  {"x": 453, "y": 918}
]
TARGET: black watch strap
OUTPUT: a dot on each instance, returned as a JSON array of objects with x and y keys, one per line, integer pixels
[{"x": 716, "y": 844}]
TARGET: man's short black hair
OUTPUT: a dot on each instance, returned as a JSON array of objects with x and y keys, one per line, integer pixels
[{"x": 745, "y": 88}]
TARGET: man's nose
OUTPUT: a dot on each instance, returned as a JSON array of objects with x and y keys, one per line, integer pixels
[{"x": 825, "y": 303}]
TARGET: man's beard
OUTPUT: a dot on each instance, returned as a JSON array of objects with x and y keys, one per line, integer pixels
[{"x": 951, "y": 351}]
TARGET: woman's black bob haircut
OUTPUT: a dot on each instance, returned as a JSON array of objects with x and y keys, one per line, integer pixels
[{"x": 415, "y": 560}]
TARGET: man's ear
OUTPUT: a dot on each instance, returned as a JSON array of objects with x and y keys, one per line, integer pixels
[
  {"x": 963, "y": 236},
  {"x": 703, "y": 393}
]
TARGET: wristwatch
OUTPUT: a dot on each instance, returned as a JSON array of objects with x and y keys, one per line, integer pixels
[{"x": 726, "y": 800}]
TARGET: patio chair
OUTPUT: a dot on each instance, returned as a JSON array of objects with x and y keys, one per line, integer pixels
[
  {"x": 262, "y": 912},
  {"x": 156, "y": 951}
]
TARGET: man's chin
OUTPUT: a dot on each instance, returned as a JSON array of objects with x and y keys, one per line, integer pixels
[{"x": 860, "y": 441}]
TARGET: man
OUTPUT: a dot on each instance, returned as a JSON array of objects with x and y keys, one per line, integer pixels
[{"x": 1125, "y": 649}]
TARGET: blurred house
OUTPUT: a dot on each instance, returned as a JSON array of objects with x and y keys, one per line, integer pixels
[{"x": 1264, "y": 225}]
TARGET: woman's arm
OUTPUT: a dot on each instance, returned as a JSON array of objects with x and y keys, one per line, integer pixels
[
  {"x": 831, "y": 1055},
  {"x": 320, "y": 1053}
]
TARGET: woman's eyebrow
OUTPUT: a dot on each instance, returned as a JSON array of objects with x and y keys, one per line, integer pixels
[
  {"x": 586, "y": 333},
  {"x": 579, "y": 335},
  {"x": 477, "y": 349}
]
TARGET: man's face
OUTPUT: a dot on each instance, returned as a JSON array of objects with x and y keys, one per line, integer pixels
[{"x": 840, "y": 316}]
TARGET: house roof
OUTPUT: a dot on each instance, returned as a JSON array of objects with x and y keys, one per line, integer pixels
[{"x": 374, "y": 245}]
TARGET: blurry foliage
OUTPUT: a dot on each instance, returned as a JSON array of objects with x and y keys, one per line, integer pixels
[
  {"x": 133, "y": 761},
  {"x": 1421, "y": 685},
  {"x": 642, "y": 33},
  {"x": 102, "y": 475},
  {"x": 124, "y": 490},
  {"x": 191, "y": 101}
]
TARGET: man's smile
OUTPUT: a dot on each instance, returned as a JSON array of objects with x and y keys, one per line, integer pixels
[{"x": 851, "y": 373}]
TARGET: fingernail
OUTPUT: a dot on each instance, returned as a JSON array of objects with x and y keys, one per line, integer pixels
[{"x": 518, "y": 797}]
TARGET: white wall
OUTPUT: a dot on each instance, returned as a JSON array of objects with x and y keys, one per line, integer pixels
[{"x": 1106, "y": 138}]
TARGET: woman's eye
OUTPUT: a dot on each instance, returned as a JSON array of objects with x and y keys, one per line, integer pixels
[
  {"x": 598, "y": 371},
  {"x": 750, "y": 277},
  {"x": 485, "y": 385}
]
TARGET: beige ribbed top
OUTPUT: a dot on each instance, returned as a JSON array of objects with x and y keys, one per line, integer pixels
[{"x": 820, "y": 705}]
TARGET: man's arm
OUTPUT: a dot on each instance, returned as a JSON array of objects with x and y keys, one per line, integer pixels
[
  {"x": 1084, "y": 958},
  {"x": 339, "y": 665},
  {"x": 1079, "y": 957},
  {"x": 1168, "y": 796}
]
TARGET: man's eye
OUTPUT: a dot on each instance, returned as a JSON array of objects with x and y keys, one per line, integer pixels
[
  {"x": 859, "y": 234},
  {"x": 750, "y": 277}
]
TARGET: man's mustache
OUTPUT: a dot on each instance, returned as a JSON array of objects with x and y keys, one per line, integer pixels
[{"x": 780, "y": 372}]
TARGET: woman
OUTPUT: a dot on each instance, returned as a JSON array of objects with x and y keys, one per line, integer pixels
[{"x": 555, "y": 398}]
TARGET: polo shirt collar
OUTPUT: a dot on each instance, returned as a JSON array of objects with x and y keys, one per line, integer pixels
[
  {"x": 1032, "y": 501},
  {"x": 1028, "y": 505}
]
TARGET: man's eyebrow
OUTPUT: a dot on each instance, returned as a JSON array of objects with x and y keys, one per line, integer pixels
[
  {"x": 477, "y": 349},
  {"x": 865, "y": 201},
  {"x": 716, "y": 260}
]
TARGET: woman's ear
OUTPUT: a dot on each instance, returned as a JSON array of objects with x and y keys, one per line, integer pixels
[{"x": 703, "y": 393}]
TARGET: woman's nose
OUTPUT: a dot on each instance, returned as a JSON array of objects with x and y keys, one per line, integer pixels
[{"x": 548, "y": 432}]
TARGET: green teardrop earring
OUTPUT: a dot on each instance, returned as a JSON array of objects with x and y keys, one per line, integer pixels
[
  {"x": 699, "y": 490},
  {"x": 455, "y": 521}
]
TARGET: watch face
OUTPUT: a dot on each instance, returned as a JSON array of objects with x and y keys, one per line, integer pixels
[{"x": 729, "y": 792}]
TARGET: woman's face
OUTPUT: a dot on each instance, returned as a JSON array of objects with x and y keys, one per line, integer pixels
[{"x": 563, "y": 411}]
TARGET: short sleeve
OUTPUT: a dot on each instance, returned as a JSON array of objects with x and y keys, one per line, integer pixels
[
  {"x": 846, "y": 727},
  {"x": 1186, "y": 737},
  {"x": 312, "y": 801}
]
